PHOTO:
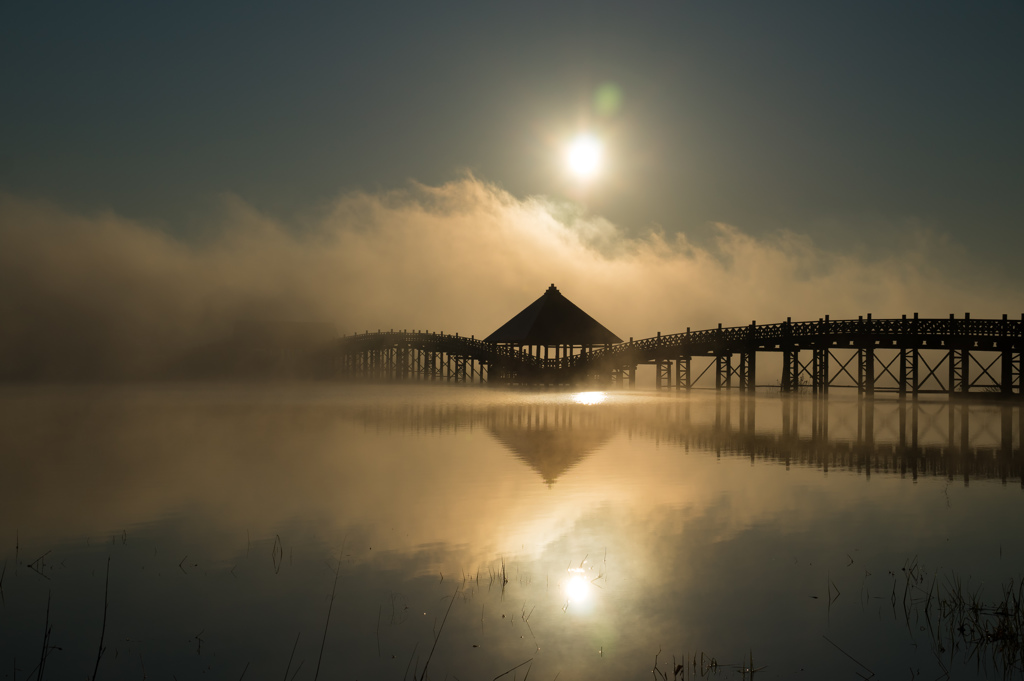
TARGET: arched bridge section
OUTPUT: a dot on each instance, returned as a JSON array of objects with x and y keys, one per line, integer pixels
[
  {"x": 415, "y": 356},
  {"x": 908, "y": 355}
]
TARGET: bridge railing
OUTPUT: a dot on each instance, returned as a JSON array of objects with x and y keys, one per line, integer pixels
[{"x": 759, "y": 336}]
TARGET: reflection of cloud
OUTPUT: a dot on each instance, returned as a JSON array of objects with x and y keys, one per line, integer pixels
[{"x": 102, "y": 295}]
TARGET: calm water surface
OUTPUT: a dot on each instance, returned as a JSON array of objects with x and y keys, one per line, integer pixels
[{"x": 292, "y": 531}]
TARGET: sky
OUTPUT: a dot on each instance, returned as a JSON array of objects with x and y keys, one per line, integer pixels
[{"x": 169, "y": 168}]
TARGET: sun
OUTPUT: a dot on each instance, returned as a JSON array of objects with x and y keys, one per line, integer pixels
[{"x": 584, "y": 155}]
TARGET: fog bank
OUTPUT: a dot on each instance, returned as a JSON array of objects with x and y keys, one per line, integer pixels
[{"x": 104, "y": 297}]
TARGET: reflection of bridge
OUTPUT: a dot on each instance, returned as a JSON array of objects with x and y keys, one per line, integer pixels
[
  {"x": 886, "y": 437},
  {"x": 906, "y": 355}
]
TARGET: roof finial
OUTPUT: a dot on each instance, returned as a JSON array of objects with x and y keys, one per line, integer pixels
[{"x": 552, "y": 289}]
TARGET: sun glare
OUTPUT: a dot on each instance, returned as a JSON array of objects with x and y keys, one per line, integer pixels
[
  {"x": 584, "y": 156},
  {"x": 589, "y": 397},
  {"x": 577, "y": 588}
]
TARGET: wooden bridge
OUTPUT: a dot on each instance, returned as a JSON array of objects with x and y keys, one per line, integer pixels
[{"x": 907, "y": 355}]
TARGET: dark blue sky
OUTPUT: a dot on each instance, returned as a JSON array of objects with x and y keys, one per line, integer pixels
[{"x": 849, "y": 122}]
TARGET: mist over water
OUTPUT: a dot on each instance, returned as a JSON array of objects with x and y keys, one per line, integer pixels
[
  {"x": 578, "y": 534},
  {"x": 573, "y": 534},
  {"x": 213, "y": 466},
  {"x": 101, "y": 297}
]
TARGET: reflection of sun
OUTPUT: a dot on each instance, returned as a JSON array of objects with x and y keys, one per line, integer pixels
[
  {"x": 595, "y": 397},
  {"x": 577, "y": 588},
  {"x": 584, "y": 156}
]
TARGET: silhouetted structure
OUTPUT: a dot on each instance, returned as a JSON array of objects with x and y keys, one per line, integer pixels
[
  {"x": 908, "y": 356},
  {"x": 875, "y": 355},
  {"x": 551, "y": 327},
  {"x": 553, "y": 321}
]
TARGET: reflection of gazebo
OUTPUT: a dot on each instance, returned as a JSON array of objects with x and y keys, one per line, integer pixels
[
  {"x": 550, "y": 450},
  {"x": 553, "y": 321}
]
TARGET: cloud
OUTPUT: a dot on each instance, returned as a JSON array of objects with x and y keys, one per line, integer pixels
[{"x": 101, "y": 296}]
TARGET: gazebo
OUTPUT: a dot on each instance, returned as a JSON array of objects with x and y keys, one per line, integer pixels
[{"x": 553, "y": 327}]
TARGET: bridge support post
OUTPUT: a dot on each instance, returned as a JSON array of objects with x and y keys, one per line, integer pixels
[
  {"x": 951, "y": 359},
  {"x": 664, "y": 373},
  {"x": 747, "y": 370},
  {"x": 401, "y": 363},
  {"x": 632, "y": 376},
  {"x": 915, "y": 368},
  {"x": 819, "y": 371},
  {"x": 1017, "y": 362},
  {"x": 959, "y": 372},
  {"x": 1006, "y": 373},
  {"x": 965, "y": 371},
  {"x": 723, "y": 372},
  {"x": 869, "y": 372},
  {"x": 903, "y": 374},
  {"x": 391, "y": 364},
  {"x": 866, "y": 371},
  {"x": 790, "y": 371},
  {"x": 683, "y": 374},
  {"x": 860, "y": 371}
]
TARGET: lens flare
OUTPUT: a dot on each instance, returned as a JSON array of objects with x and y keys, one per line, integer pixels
[
  {"x": 584, "y": 155},
  {"x": 608, "y": 99}
]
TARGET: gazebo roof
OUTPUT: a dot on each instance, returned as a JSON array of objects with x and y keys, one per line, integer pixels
[{"x": 553, "y": 319}]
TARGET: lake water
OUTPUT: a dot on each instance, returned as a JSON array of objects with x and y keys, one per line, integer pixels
[{"x": 322, "y": 531}]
